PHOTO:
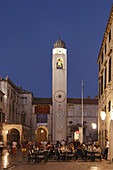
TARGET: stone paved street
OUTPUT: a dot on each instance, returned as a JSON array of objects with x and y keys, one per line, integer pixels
[{"x": 18, "y": 163}]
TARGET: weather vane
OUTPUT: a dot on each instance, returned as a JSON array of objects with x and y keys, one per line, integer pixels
[{"x": 59, "y": 36}]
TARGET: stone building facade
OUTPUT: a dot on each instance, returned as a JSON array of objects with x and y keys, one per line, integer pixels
[
  {"x": 105, "y": 82},
  {"x": 16, "y": 112},
  {"x": 43, "y": 106}
]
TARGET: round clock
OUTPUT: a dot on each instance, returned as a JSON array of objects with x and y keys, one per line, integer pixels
[{"x": 59, "y": 96}]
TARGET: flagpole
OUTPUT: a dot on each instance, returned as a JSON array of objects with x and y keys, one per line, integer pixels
[
  {"x": 82, "y": 104},
  {"x": 82, "y": 112}
]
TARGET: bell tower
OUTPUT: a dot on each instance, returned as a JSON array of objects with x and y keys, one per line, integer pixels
[{"x": 59, "y": 90}]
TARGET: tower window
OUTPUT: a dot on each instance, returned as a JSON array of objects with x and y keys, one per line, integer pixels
[{"x": 59, "y": 64}]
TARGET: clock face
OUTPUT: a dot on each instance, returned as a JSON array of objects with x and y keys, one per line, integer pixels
[{"x": 59, "y": 96}]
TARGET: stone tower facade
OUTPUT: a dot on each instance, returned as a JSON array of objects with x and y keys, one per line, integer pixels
[{"x": 59, "y": 90}]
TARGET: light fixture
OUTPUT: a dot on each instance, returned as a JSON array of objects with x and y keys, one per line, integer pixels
[
  {"x": 42, "y": 131},
  {"x": 103, "y": 115},
  {"x": 94, "y": 125},
  {"x": 6, "y": 132}
]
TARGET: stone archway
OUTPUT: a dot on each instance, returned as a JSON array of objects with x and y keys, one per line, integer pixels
[
  {"x": 41, "y": 134},
  {"x": 13, "y": 135}
]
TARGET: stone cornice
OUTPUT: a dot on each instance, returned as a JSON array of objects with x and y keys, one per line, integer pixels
[{"x": 110, "y": 20}]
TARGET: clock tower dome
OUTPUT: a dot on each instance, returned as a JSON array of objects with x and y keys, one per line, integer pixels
[{"x": 59, "y": 90}]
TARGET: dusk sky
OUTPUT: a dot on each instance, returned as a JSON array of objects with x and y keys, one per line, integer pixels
[{"x": 28, "y": 30}]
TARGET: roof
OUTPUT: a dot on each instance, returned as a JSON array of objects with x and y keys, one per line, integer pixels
[
  {"x": 42, "y": 101},
  {"x": 110, "y": 20},
  {"x": 79, "y": 101},
  {"x": 59, "y": 44},
  {"x": 37, "y": 101},
  {"x": 18, "y": 89}
]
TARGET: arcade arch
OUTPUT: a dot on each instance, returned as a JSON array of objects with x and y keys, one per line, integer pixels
[
  {"x": 41, "y": 134},
  {"x": 13, "y": 135}
]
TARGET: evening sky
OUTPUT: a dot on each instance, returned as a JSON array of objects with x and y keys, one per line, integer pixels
[{"x": 28, "y": 30}]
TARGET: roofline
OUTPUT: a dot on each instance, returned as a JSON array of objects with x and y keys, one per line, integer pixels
[
  {"x": 41, "y": 101},
  {"x": 18, "y": 89},
  {"x": 106, "y": 32}
]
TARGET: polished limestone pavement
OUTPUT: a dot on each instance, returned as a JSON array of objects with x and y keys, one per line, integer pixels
[{"x": 17, "y": 162}]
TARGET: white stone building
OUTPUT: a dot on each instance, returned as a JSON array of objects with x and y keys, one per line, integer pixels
[
  {"x": 105, "y": 81},
  {"x": 15, "y": 111}
]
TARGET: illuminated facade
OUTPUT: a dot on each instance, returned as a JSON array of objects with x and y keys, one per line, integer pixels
[
  {"x": 15, "y": 112},
  {"x": 64, "y": 115},
  {"x": 105, "y": 83},
  {"x": 22, "y": 116}
]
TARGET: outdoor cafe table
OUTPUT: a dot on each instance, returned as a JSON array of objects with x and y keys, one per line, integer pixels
[
  {"x": 66, "y": 154},
  {"x": 93, "y": 154}
]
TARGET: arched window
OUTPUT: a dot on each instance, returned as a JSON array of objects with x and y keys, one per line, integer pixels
[
  {"x": 23, "y": 117},
  {"x": 59, "y": 64}
]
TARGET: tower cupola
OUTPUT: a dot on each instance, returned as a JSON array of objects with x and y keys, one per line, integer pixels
[{"x": 59, "y": 44}]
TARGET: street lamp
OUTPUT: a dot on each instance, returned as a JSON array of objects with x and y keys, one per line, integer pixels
[
  {"x": 94, "y": 125},
  {"x": 103, "y": 115}
]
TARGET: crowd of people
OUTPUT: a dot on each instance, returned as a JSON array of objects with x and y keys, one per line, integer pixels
[{"x": 25, "y": 146}]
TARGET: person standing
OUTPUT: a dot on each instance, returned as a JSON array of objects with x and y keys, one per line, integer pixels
[
  {"x": 1, "y": 147},
  {"x": 106, "y": 149},
  {"x": 14, "y": 144}
]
